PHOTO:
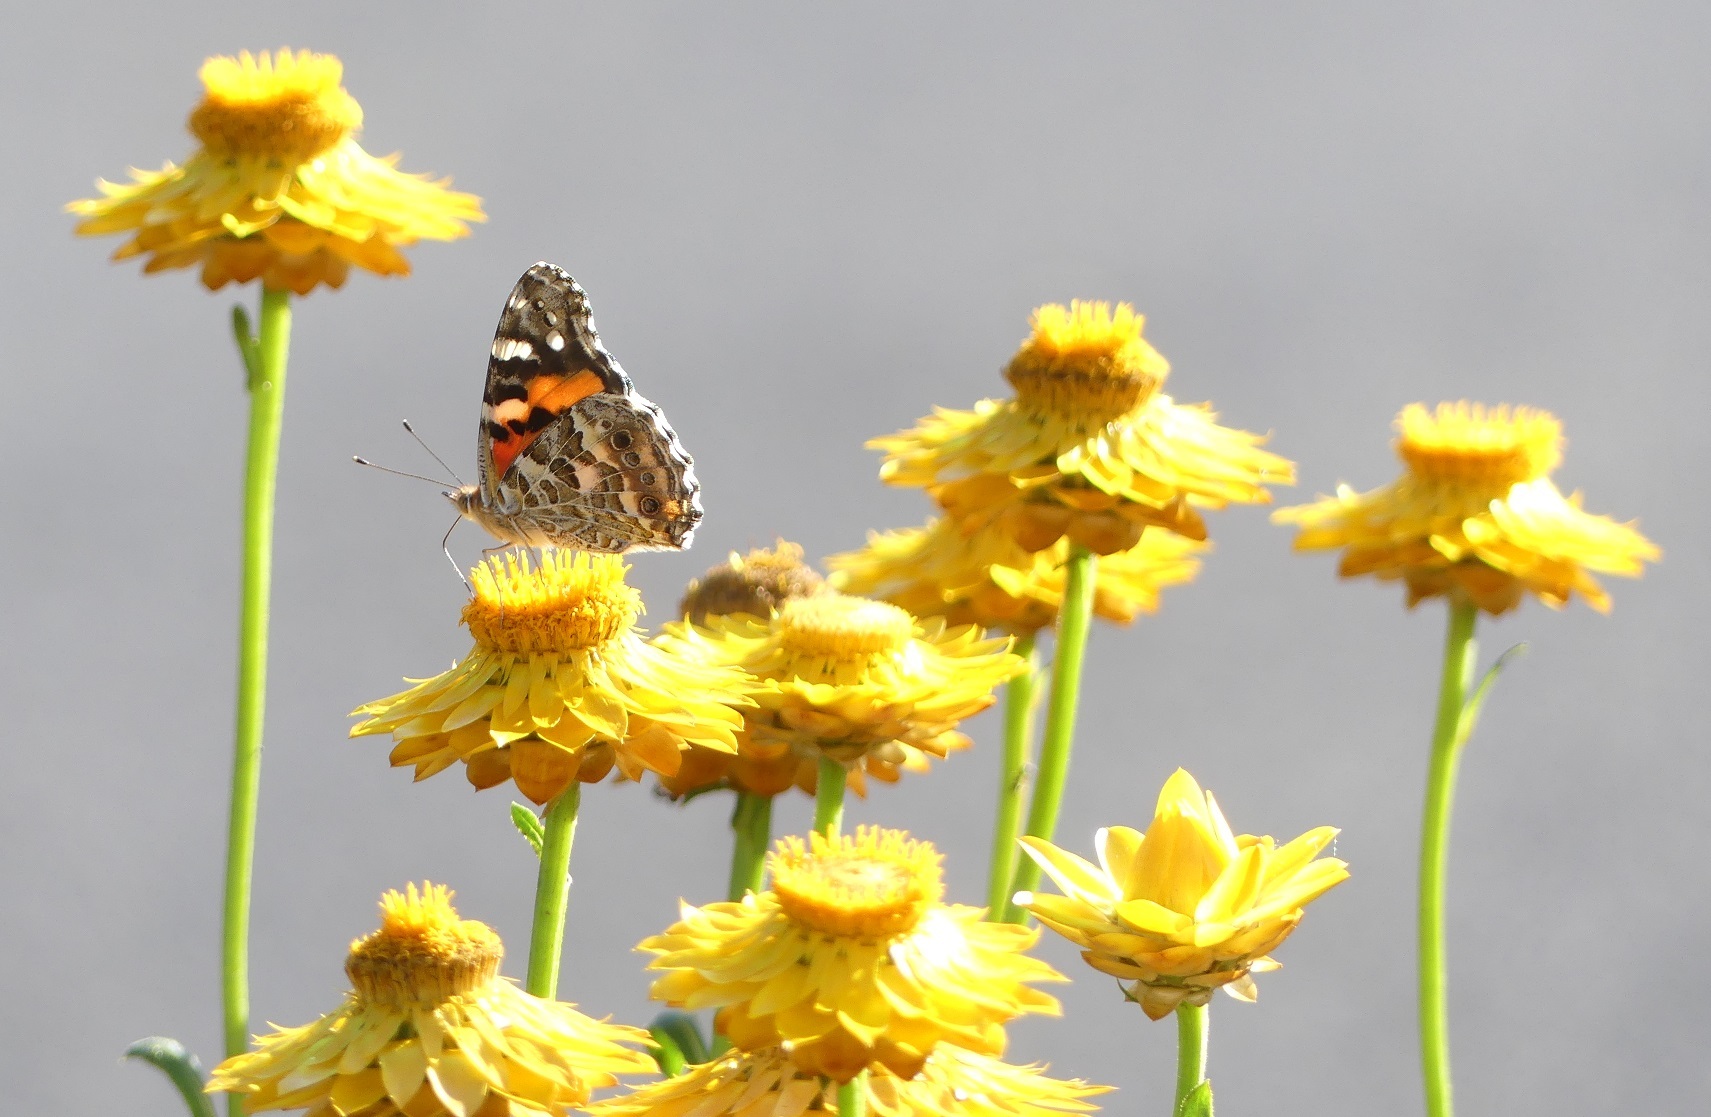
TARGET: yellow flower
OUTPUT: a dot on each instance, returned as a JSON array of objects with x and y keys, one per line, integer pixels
[
  {"x": 1186, "y": 907},
  {"x": 985, "y": 577},
  {"x": 430, "y": 1029},
  {"x": 1088, "y": 448},
  {"x": 279, "y": 189},
  {"x": 757, "y": 583},
  {"x": 559, "y": 686},
  {"x": 766, "y": 1083},
  {"x": 1475, "y": 513},
  {"x": 850, "y": 959}
]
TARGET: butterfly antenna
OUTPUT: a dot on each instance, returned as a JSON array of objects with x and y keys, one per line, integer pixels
[
  {"x": 397, "y": 472},
  {"x": 431, "y": 454},
  {"x": 445, "y": 546}
]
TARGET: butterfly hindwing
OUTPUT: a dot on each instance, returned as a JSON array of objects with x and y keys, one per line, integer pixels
[{"x": 607, "y": 477}]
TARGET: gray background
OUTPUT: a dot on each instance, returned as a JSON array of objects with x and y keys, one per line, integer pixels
[{"x": 802, "y": 228}]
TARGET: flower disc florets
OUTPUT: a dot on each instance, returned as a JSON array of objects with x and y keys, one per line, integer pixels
[
  {"x": 1475, "y": 515},
  {"x": 885, "y": 981},
  {"x": 560, "y": 687},
  {"x": 287, "y": 109},
  {"x": 1085, "y": 364},
  {"x": 431, "y": 1030},
  {"x": 757, "y": 583},
  {"x": 1185, "y": 907}
]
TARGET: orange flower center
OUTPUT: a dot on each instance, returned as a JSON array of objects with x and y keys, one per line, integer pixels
[
  {"x": 422, "y": 953},
  {"x": 286, "y": 109},
  {"x": 1468, "y": 445},
  {"x": 871, "y": 884},
  {"x": 571, "y": 602},
  {"x": 1086, "y": 363}
]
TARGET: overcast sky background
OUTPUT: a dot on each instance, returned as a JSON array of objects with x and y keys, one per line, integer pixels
[{"x": 802, "y": 227}]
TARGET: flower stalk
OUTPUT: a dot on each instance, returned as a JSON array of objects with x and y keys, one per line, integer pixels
[
  {"x": 264, "y": 362},
  {"x": 1454, "y": 722},
  {"x": 751, "y": 827},
  {"x": 1019, "y": 695},
  {"x": 851, "y": 1096},
  {"x": 829, "y": 797},
  {"x": 1193, "y": 1024},
  {"x": 552, "y": 893},
  {"x": 1074, "y": 619}
]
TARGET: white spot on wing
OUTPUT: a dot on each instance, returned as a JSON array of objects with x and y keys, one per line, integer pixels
[
  {"x": 508, "y": 348},
  {"x": 556, "y": 340}
]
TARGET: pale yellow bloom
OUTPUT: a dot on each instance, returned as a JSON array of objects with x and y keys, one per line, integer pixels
[
  {"x": 430, "y": 1029},
  {"x": 766, "y": 1083},
  {"x": 1089, "y": 448},
  {"x": 1186, "y": 907},
  {"x": 985, "y": 577},
  {"x": 851, "y": 959},
  {"x": 1475, "y": 514},
  {"x": 279, "y": 189},
  {"x": 559, "y": 686}
]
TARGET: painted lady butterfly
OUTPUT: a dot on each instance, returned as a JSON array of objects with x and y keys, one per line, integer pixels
[{"x": 569, "y": 454}]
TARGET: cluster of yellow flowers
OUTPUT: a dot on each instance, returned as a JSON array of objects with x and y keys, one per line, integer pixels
[{"x": 849, "y": 978}]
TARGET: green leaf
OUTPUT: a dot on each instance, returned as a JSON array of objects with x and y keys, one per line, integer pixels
[
  {"x": 678, "y": 1035},
  {"x": 1470, "y": 709},
  {"x": 1198, "y": 1103},
  {"x": 528, "y": 824},
  {"x": 170, "y": 1057},
  {"x": 249, "y": 346}
]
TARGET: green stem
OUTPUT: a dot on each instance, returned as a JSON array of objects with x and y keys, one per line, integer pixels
[
  {"x": 1074, "y": 618},
  {"x": 552, "y": 893},
  {"x": 1193, "y": 1023},
  {"x": 1012, "y": 780},
  {"x": 180, "y": 1066},
  {"x": 829, "y": 797},
  {"x": 751, "y": 827},
  {"x": 1448, "y": 737},
  {"x": 261, "y": 472},
  {"x": 851, "y": 1096}
]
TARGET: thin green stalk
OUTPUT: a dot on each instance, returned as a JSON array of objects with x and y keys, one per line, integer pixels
[
  {"x": 264, "y": 360},
  {"x": 851, "y": 1096},
  {"x": 1193, "y": 1025},
  {"x": 829, "y": 797},
  {"x": 1448, "y": 737},
  {"x": 751, "y": 829},
  {"x": 552, "y": 892},
  {"x": 1012, "y": 779},
  {"x": 1074, "y": 618}
]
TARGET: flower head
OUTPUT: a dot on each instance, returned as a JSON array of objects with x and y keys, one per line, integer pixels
[
  {"x": 429, "y": 1029},
  {"x": 279, "y": 189},
  {"x": 756, "y": 583},
  {"x": 850, "y": 959},
  {"x": 753, "y": 1083},
  {"x": 1186, "y": 907},
  {"x": 985, "y": 577},
  {"x": 1089, "y": 448},
  {"x": 859, "y": 681},
  {"x": 559, "y": 686},
  {"x": 1475, "y": 514}
]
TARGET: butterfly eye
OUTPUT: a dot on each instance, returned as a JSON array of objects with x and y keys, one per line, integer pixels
[{"x": 621, "y": 440}]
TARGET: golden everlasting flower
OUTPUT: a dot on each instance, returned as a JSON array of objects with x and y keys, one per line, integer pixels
[
  {"x": 850, "y": 959},
  {"x": 985, "y": 577},
  {"x": 1186, "y": 907},
  {"x": 1475, "y": 513},
  {"x": 279, "y": 189},
  {"x": 559, "y": 686},
  {"x": 756, "y": 583},
  {"x": 430, "y": 1029},
  {"x": 766, "y": 1083},
  {"x": 1088, "y": 448}
]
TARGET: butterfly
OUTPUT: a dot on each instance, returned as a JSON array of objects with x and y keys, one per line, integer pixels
[{"x": 569, "y": 454}]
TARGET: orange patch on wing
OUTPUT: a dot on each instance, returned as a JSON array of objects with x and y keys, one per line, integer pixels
[{"x": 552, "y": 394}]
